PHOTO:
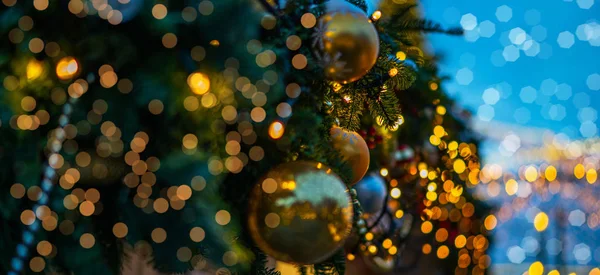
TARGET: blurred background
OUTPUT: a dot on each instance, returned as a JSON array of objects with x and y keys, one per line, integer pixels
[{"x": 529, "y": 71}]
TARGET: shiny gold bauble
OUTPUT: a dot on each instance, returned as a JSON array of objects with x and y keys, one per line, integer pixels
[
  {"x": 348, "y": 45},
  {"x": 354, "y": 150},
  {"x": 300, "y": 212}
]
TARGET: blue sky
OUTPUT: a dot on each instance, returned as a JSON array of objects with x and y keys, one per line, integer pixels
[
  {"x": 549, "y": 73},
  {"x": 541, "y": 59}
]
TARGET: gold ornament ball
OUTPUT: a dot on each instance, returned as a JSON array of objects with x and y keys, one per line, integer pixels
[
  {"x": 348, "y": 45},
  {"x": 354, "y": 150},
  {"x": 300, "y": 212}
]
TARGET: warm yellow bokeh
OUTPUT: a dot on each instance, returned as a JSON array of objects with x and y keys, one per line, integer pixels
[
  {"x": 531, "y": 174},
  {"x": 34, "y": 69},
  {"x": 199, "y": 83},
  {"x": 66, "y": 68},
  {"x": 536, "y": 269},
  {"x": 540, "y": 222}
]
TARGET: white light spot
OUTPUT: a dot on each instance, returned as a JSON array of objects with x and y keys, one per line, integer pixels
[
  {"x": 472, "y": 35},
  {"x": 517, "y": 36},
  {"x": 587, "y": 114},
  {"x": 539, "y": 33},
  {"x": 576, "y": 217},
  {"x": 504, "y": 88},
  {"x": 585, "y": 4},
  {"x": 515, "y": 254},
  {"x": 582, "y": 253},
  {"x": 549, "y": 86},
  {"x": 588, "y": 129},
  {"x": 510, "y": 145},
  {"x": 593, "y": 82},
  {"x": 487, "y": 28},
  {"x": 511, "y": 53},
  {"x": 491, "y": 96},
  {"x": 468, "y": 21},
  {"x": 485, "y": 112},
  {"x": 504, "y": 13},
  {"x": 557, "y": 112},
  {"x": 533, "y": 49},
  {"x": 565, "y": 39},
  {"x": 563, "y": 91},
  {"x": 528, "y": 94},
  {"x": 581, "y": 100},
  {"x": 530, "y": 245},
  {"x": 522, "y": 115},
  {"x": 554, "y": 246}
]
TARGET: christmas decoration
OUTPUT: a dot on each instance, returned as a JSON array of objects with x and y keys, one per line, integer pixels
[
  {"x": 372, "y": 137},
  {"x": 153, "y": 139},
  {"x": 347, "y": 42},
  {"x": 371, "y": 191},
  {"x": 353, "y": 149},
  {"x": 404, "y": 154},
  {"x": 300, "y": 212}
]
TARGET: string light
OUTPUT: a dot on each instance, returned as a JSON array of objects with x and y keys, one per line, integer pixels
[
  {"x": 376, "y": 15},
  {"x": 276, "y": 130},
  {"x": 199, "y": 83},
  {"x": 34, "y": 69},
  {"x": 66, "y": 68}
]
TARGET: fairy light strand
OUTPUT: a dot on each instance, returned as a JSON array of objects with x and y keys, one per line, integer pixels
[{"x": 47, "y": 184}]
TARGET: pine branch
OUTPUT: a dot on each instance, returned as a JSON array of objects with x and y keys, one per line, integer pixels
[
  {"x": 425, "y": 25},
  {"x": 403, "y": 80},
  {"x": 384, "y": 106},
  {"x": 339, "y": 261},
  {"x": 259, "y": 266}
]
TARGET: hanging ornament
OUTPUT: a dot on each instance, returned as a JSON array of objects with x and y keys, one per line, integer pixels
[
  {"x": 300, "y": 212},
  {"x": 372, "y": 137},
  {"x": 404, "y": 154},
  {"x": 346, "y": 42},
  {"x": 371, "y": 192},
  {"x": 354, "y": 150}
]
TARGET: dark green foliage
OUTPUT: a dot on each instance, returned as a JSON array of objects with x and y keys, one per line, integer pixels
[
  {"x": 259, "y": 264},
  {"x": 134, "y": 50}
]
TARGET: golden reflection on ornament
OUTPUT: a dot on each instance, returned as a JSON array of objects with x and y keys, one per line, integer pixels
[
  {"x": 199, "y": 83},
  {"x": 66, "y": 68},
  {"x": 300, "y": 212},
  {"x": 352, "y": 38},
  {"x": 353, "y": 149}
]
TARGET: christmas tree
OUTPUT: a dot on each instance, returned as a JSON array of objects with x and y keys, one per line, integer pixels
[{"x": 209, "y": 135}]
